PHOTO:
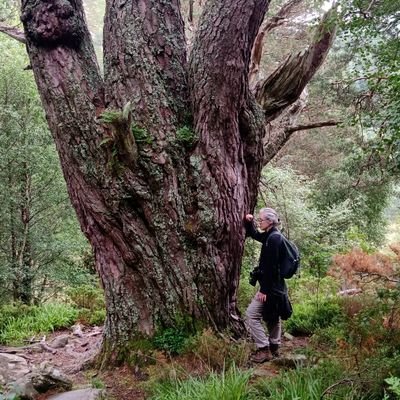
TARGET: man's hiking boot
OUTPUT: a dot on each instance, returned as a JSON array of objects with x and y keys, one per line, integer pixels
[
  {"x": 261, "y": 355},
  {"x": 274, "y": 350}
]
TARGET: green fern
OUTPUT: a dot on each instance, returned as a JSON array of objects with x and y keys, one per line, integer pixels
[{"x": 141, "y": 135}]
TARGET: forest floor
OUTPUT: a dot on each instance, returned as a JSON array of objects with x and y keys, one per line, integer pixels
[{"x": 126, "y": 383}]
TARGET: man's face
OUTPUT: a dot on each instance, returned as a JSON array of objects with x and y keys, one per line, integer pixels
[{"x": 263, "y": 222}]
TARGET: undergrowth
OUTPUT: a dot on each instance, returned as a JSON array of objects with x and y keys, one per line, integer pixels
[
  {"x": 325, "y": 380},
  {"x": 19, "y": 322},
  {"x": 232, "y": 384}
]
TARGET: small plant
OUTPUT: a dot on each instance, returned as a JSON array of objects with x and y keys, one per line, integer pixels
[
  {"x": 98, "y": 317},
  {"x": 185, "y": 136},
  {"x": 171, "y": 340},
  {"x": 394, "y": 385},
  {"x": 110, "y": 116},
  {"x": 97, "y": 383},
  {"x": 141, "y": 135}
]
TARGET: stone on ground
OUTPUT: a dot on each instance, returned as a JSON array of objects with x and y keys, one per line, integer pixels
[{"x": 82, "y": 394}]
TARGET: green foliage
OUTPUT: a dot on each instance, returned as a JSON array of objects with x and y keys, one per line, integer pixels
[
  {"x": 141, "y": 135},
  {"x": 185, "y": 136},
  {"x": 97, "y": 383},
  {"x": 217, "y": 351},
  {"x": 372, "y": 78},
  {"x": 309, "y": 317},
  {"x": 19, "y": 322},
  {"x": 89, "y": 300},
  {"x": 87, "y": 296},
  {"x": 394, "y": 385},
  {"x": 172, "y": 340},
  {"x": 230, "y": 385},
  {"x": 110, "y": 116},
  {"x": 309, "y": 383},
  {"x": 316, "y": 305},
  {"x": 41, "y": 242}
]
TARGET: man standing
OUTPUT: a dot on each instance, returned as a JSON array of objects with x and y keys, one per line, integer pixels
[{"x": 265, "y": 304}]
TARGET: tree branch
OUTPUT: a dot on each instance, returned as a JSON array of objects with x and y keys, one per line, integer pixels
[
  {"x": 267, "y": 26},
  {"x": 276, "y": 135},
  {"x": 275, "y": 143},
  {"x": 286, "y": 83},
  {"x": 13, "y": 32},
  {"x": 331, "y": 122}
]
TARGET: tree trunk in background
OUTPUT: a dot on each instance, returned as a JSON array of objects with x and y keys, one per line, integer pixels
[
  {"x": 162, "y": 159},
  {"x": 25, "y": 263}
]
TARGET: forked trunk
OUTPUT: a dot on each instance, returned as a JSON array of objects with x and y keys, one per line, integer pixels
[{"x": 159, "y": 170}]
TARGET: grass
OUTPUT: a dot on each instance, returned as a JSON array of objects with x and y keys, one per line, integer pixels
[
  {"x": 325, "y": 380},
  {"x": 21, "y": 322},
  {"x": 229, "y": 385}
]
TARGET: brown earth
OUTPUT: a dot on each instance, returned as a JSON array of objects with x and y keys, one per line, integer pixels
[{"x": 127, "y": 383}]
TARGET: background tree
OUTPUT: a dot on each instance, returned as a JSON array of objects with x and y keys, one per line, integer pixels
[{"x": 39, "y": 236}]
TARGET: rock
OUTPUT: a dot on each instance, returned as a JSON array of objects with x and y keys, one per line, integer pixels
[
  {"x": 12, "y": 367},
  {"x": 59, "y": 342},
  {"x": 48, "y": 377},
  {"x": 38, "y": 381},
  {"x": 77, "y": 330},
  {"x": 37, "y": 348},
  {"x": 291, "y": 361},
  {"x": 288, "y": 336},
  {"x": 82, "y": 394},
  {"x": 262, "y": 372},
  {"x": 23, "y": 389}
]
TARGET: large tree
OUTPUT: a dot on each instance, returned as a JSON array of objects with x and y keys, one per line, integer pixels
[{"x": 162, "y": 156}]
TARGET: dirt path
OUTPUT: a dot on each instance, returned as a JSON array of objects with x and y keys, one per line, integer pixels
[{"x": 123, "y": 383}]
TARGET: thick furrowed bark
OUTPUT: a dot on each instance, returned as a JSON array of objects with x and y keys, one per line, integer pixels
[
  {"x": 145, "y": 64},
  {"x": 145, "y": 61},
  {"x": 220, "y": 95}
]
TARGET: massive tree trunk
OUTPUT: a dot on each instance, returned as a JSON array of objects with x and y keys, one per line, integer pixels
[{"x": 162, "y": 157}]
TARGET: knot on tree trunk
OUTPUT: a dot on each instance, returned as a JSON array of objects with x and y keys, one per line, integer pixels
[{"x": 52, "y": 23}]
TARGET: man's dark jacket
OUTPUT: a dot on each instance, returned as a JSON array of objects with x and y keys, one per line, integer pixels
[{"x": 271, "y": 284}]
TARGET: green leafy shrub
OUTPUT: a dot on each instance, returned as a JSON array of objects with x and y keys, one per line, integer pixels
[
  {"x": 309, "y": 316},
  {"x": 89, "y": 317},
  {"x": 89, "y": 297},
  {"x": 171, "y": 340},
  {"x": 21, "y": 322},
  {"x": 98, "y": 317},
  {"x": 394, "y": 386}
]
